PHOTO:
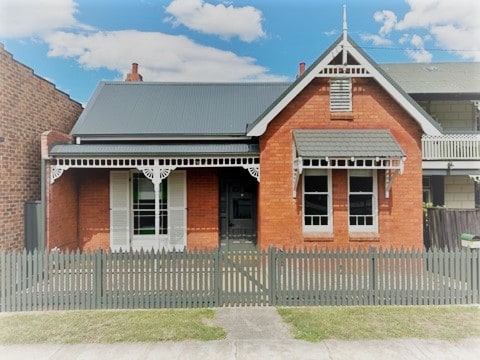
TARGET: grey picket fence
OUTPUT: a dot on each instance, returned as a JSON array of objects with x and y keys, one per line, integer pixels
[{"x": 186, "y": 279}]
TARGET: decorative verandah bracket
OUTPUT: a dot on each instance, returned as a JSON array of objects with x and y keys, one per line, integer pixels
[
  {"x": 297, "y": 170},
  {"x": 56, "y": 171},
  {"x": 475, "y": 178},
  {"x": 390, "y": 175},
  {"x": 254, "y": 170}
]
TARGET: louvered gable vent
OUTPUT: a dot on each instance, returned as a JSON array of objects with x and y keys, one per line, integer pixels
[{"x": 340, "y": 95}]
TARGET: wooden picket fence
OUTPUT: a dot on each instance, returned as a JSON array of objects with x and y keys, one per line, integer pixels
[{"x": 187, "y": 279}]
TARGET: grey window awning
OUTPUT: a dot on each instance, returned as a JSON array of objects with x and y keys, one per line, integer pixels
[
  {"x": 321, "y": 144},
  {"x": 347, "y": 149}
]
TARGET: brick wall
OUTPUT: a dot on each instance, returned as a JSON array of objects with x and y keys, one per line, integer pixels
[
  {"x": 280, "y": 215},
  {"x": 202, "y": 208},
  {"x": 459, "y": 192},
  {"x": 29, "y": 105},
  {"x": 94, "y": 209},
  {"x": 453, "y": 115}
]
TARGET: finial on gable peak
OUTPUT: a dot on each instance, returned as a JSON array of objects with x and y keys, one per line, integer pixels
[{"x": 344, "y": 31}]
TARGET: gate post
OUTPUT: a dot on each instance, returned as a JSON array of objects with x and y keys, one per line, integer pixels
[
  {"x": 272, "y": 276},
  {"x": 371, "y": 276},
  {"x": 98, "y": 278},
  {"x": 217, "y": 277}
]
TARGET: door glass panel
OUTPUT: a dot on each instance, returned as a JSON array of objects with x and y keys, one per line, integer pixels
[{"x": 242, "y": 208}]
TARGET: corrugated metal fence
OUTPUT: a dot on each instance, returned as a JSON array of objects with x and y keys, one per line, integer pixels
[{"x": 128, "y": 280}]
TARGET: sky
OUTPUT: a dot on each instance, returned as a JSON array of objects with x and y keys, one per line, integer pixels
[{"x": 77, "y": 43}]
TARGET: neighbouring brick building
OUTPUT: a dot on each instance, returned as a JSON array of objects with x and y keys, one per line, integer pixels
[
  {"x": 335, "y": 159},
  {"x": 29, "y": 105}
]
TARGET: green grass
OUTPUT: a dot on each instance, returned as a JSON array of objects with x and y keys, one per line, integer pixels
[
  {"x": 371, "y": 322},
  {"x": 108, "y": 326}
]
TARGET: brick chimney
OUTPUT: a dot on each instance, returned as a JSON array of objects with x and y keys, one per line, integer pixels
[
  {"x": 301, "y": 68},
  {"x": 134, "y": 75}
]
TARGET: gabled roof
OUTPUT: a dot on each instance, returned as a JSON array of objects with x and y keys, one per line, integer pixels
[
  {"x": 152, "y": 109},
  {"x": 428, "y": 124},
  {"x": 436, "y": 78},
  {"x": 354, "y": 143}
]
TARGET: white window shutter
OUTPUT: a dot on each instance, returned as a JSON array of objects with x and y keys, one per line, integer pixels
[
  {"x": 177, "y": 209},
  {"x": 119, "y": 210},
  {"x": 340, "y": 95}
]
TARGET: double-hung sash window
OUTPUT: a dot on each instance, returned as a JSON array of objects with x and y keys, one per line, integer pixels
[
  {"x": 362, "y": 203},
  {"x": 317, "y": 201},
  {"x": 143, "y": 206}
]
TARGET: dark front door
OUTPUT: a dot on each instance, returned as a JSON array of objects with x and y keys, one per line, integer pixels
[{"x": 238, "y": 211}]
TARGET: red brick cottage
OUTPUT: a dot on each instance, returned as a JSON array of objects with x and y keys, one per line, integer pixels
[{"x": 332, "y": 160}]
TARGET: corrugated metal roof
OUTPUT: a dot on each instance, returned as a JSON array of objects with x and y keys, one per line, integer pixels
[
  {"x": 436, "y": 78},
  {"x": 175, "y": 109},
  {"x": 346, "y": 143},
  {"x": 187, "y": 149}
]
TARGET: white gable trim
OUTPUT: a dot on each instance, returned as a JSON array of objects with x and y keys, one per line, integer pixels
[
  {"x": 426, "y": 125},
  {"x": 260, "y": 128}
]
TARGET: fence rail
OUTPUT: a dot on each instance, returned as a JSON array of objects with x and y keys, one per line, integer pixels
[{"x": 128, "y": 280}]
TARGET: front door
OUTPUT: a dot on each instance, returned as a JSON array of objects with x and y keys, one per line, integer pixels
[{"x": 238, "y": 211}]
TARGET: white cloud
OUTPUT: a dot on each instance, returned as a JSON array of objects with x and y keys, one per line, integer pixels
[
  {"x": 418, "y": 53},
  {"x": 330, "y": 33},
  {"x": 161, "y": 57},
  {"x": 226, "y": 21},
  {"x": 389, "y": 20},
  {"x": 452, "y": 25},
  {"x": 33, "y": 18},
  {"x": 376, "y": 39}
]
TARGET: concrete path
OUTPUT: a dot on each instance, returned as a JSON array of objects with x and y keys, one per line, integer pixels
[{"x": 253, "y": 333}]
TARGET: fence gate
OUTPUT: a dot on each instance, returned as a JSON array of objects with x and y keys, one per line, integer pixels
[{"x": 242, "y": 278}]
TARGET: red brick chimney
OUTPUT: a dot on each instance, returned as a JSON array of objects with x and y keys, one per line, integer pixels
[
  {"x": 301, "y": 68},
  {"x": 134, "y": 75}
]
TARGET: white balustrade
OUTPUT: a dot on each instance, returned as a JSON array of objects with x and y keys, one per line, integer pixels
[{"x": 451, "y": 147}]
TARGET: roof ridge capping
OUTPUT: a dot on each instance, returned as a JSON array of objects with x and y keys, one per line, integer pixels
[{"x": 427, "y": 123}]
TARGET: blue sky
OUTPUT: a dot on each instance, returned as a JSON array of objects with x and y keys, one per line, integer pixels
[{"x": 77, "y": 43}]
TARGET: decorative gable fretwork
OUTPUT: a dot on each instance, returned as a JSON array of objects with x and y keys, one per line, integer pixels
[
  {"x": 332, "y": 71},
  {"x": 154, "y": 168}
]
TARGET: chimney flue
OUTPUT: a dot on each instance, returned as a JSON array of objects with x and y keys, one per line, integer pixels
[
  {"x": 301, "y": 68},
  {"x": 134, "y": 75}
]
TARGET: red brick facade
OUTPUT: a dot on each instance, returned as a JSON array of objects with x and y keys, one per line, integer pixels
[
  {"x": 29, "y": 105},
  {"x": 84, "y": 194},
  {"x": 202, "y": 208},
  {"x": 280, "y": 215}
]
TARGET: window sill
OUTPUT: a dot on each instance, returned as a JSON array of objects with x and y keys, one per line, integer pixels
[
  {"x": 348, "y": 116},
  {"x": 318, "y": 237},
  {"x": 364, "y": 236}
]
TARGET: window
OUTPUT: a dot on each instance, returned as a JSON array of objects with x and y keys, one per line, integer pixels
[
  {"x": 362, "y": 195},
  {"x": 317, "y": 201},
  {"x": 341, "y": 95},
  {"x": 143, "y": 206}
]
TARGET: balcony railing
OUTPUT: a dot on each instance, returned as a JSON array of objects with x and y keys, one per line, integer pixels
[{"x": 451, "y": 147}]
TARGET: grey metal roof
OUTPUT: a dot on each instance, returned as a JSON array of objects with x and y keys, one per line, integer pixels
[
  {"x": 436, "y": 78},
  {"x": 174, "y": 109},
  {"x": 346, "y": 143},
  {"x": 187, "y": 149}
]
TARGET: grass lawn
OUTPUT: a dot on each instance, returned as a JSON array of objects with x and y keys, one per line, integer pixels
[
  {"x": 372, "y": 322},
  {"x": 108, "y": 326}
]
